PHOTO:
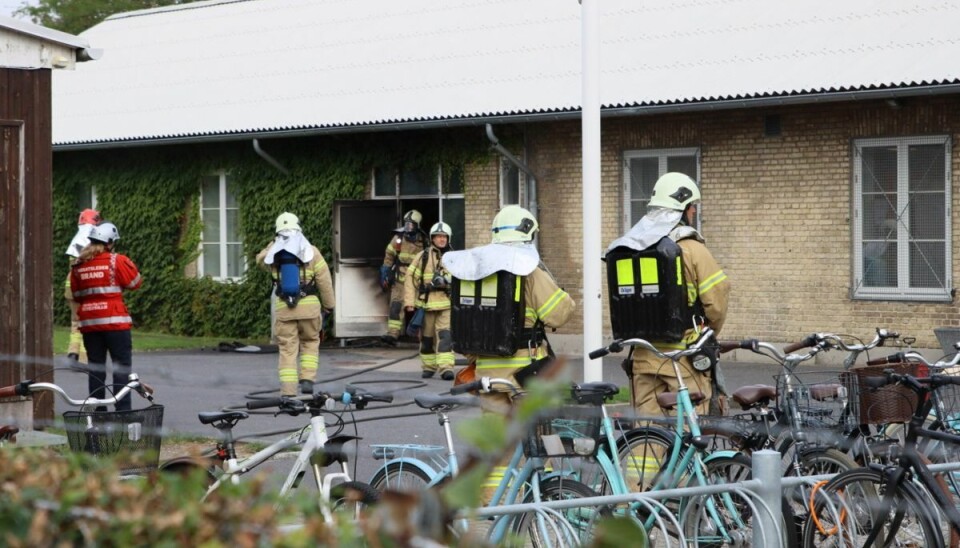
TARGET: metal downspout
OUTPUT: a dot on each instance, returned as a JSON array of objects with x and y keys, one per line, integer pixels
[
  {"x": 532, "y": 187},
  {"x": 269, "y": 159}
]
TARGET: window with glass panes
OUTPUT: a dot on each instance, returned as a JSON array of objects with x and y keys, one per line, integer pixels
[
  {"x": 512, "y": 183},
  {"x": 901, "y": 209},
  {"x": 642, "y": 168},
  {"x": 221, "y": 251},
  {"x": 441, "y": 183}
]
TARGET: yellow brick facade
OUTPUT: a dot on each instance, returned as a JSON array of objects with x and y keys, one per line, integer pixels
[{"x": 776, "y": 210}]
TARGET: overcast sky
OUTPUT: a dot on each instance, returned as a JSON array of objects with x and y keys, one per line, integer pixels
[{"x": 7, "y": 7}]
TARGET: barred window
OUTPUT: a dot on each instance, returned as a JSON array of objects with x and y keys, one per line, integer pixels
[
  {"x": 901, "y": 210},
  {"x": 642, "y": 168}
]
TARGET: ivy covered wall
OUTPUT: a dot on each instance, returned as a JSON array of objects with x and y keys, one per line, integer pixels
[{"x": 152, "y": 195}]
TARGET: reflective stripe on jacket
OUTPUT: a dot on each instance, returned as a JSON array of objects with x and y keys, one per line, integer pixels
[
  {"x": 412, "y": 295},
  {"x": 98, "y": 286},
  {"x": 707, "y": 282},
  {"x": 408, "y": 250},
  {"x": 544, "y": 301}
]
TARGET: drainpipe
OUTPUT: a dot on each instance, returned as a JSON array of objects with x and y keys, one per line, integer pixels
[
  {"x": 531, "y": 178},
  {"x": 270, "y": 159}
]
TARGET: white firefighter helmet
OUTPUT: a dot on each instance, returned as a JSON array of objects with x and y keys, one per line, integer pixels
[
  {"x": 288, "y": 221},
  {"x": 441, "y": 228},
  {"x": 105, "y": 233},
  {"x": 514, "y": 224},
  {"x": 674, "y": 191}
]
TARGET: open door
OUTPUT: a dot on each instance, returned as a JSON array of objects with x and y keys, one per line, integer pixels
[{"x": 362, "y": 229}]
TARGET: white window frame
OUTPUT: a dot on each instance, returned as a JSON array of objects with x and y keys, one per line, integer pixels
[
  {"x": 439, "y": 195},
  {"x": 661, "y": 154},
  {"x": 520, "y": 182},
  {"x": 903, "y": 291},
  {"x": 222, "y": 244}
]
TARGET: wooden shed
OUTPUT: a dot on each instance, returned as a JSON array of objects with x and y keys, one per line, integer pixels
[{"x": 28, "y": 55}]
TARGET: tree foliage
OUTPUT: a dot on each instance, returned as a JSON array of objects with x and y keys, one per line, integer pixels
[{"x": 76, "y": 16}]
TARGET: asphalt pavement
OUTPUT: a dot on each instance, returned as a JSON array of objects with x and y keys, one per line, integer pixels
[{"x": 190, "y": 382}]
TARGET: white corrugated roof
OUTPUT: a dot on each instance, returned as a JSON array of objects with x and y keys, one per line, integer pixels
[{"x": 246, "y": 66}]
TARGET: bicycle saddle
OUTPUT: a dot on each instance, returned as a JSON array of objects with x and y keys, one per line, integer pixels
[
  {"x": 748, "y": 396},
  {"x": 668, "y": 400},
  {"x": 434, "y": 402}
]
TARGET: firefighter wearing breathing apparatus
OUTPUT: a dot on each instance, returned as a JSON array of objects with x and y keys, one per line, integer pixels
[
  {"x": 702, "y": 291},
  {"x": 304, "y": 297},
  {"x": 404, "y": 245},
  {"x": 427, "y": 288},
  {"x": 503, "y": 300},
  {"x": 89, "y": 218}
]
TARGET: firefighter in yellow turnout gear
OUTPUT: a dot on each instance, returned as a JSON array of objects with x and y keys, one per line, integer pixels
[
  {"x": 427, "y": 286},
  {"x": 401, "y": 250},
  {"x": 481, "y": 274},
  {"x": 707, "y": 287},
  {"x": 545, "y": 305},
  {"x": 89, "y": 218},
  {"x": 298, "y": 317}
]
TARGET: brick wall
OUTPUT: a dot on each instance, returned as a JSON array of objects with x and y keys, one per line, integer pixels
[{"x": 776, "y": 210}]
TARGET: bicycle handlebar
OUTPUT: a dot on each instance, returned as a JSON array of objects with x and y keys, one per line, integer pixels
[
  {"x": 25, "y": 388},
  {"x": 806, "y": 342},
  {"x": 295, "y": 405},
  {"x": 617, "y": 346},
  {"x": 472, "y": 386},
  {"x": 902, "y": 357},
  {"x": 892, "y": 358},
  {"x": 483, "y": 384}
]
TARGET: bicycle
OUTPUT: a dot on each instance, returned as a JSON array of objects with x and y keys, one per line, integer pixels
[
  {"x": 680, "y": 457},
  {"x": 423, "y": 467},
  {"x": 134, "y": 433},
  {"x": 318, "y": 449},
  {"x": 891, "y": 503}
]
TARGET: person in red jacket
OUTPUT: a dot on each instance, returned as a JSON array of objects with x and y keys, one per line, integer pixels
[{"x": 98, "y": 279}]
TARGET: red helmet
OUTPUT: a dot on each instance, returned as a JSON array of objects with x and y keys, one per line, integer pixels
[{"x": 89, "y": 217}]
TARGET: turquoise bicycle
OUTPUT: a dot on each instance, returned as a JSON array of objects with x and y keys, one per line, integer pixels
[
  {"x": 414, "y": 468},
  {"x": 651, "y": 457}
]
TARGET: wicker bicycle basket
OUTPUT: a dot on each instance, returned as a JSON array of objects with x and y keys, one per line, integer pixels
[
  {"x": 567, "y": 431},
  {"x": 887, "y": 404},
  {"x": 823, "y": 398},
  {"x": 133, "y": 435}
]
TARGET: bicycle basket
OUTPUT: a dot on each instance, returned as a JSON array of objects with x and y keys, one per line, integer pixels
[
  {"x": 887, "y": 404},
  {"x": 823, "y": 398},
  {"x": 947, "y": 400},
  {"x": 134, "y": 434},
  {"x": 566, "y": 431}
]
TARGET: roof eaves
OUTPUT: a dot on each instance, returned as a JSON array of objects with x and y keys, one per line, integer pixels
[{"x": 764, "y": 99}]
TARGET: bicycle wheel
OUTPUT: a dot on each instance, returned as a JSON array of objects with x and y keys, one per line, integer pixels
[
  {"x": 555, "y": 529},
  {"x": 849, "y": 506},
  {"x": 201, "y": 475},
  {"x": 703, "y": 517},
  {"x": 350, "y": 497},
  {"x": 815, "y": 461},
  {"x": 400, "y": 476},
  {"x": 642, "y": 454}
]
